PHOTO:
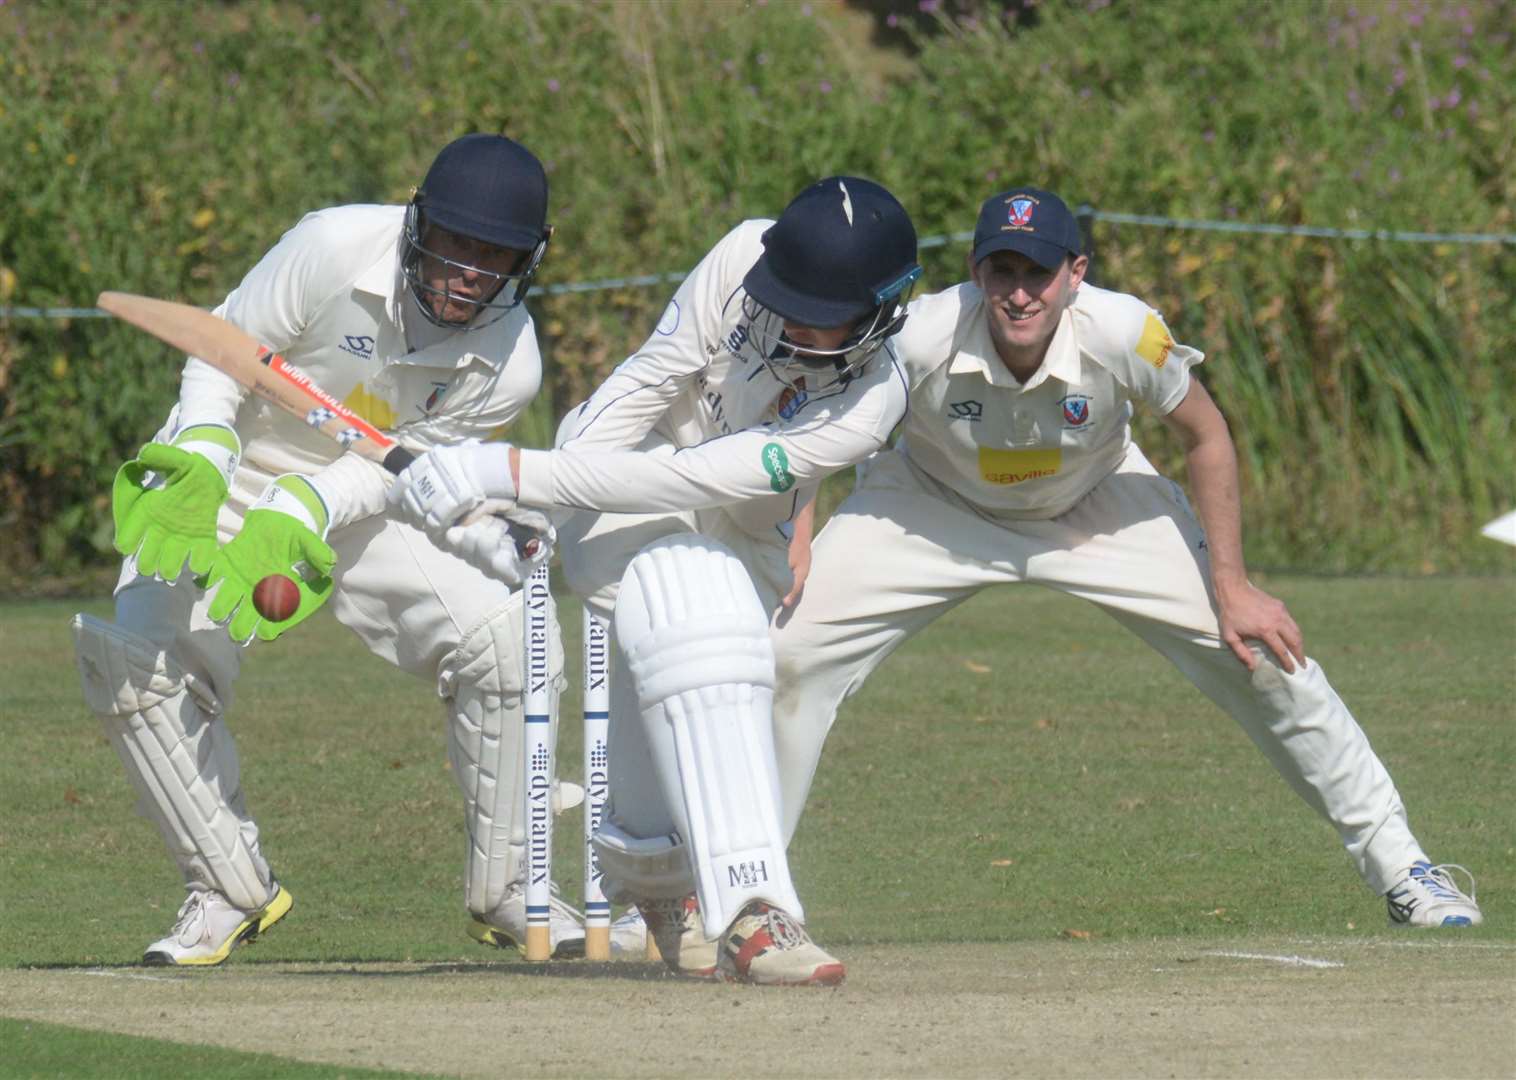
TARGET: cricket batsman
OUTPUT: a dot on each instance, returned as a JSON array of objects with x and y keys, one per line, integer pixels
[
  {"x": 771, "y": 368},
  {"x": 413, "y": 314}
]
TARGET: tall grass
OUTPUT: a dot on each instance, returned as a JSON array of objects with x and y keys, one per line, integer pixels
[{"x": 162, "y": 147}]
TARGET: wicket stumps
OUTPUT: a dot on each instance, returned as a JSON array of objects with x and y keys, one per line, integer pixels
[
  {"x": 597, "y": 727},
  {"x": 537, "y": 763}
]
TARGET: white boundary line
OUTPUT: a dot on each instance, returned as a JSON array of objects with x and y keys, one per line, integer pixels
[{"x": 1290, "y": 961}]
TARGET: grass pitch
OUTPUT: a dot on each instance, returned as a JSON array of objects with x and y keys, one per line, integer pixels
[{"x": 1026, "y": 826}]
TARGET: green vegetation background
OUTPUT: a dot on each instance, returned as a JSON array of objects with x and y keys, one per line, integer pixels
[{"x": 161, "y": 148}]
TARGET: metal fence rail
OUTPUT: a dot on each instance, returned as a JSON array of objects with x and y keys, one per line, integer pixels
[{"x": 1085, "y": 213}]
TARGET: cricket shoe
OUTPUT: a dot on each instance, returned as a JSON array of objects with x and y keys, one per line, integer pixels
[
  {"x": 505, "y": 927},
  {"x": 679, "y": 933},
  {"x": 629, "y": 936},
  {"x": 764, "y": 945},
  {"x": 208, "y": 928},
  {"x": 1428, "y": 895}
]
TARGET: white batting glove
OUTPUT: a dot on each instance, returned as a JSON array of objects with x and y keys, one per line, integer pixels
[
  {"x": 506, "y": 548},
  {"x": 443, "y": 486}
]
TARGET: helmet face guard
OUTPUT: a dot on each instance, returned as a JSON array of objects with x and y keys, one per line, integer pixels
[
  {"x": 804, "y": 367},
  {"x": 500, "y": 294}
]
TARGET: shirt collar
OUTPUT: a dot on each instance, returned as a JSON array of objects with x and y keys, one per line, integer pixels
[{"x": 977, "y": 354}]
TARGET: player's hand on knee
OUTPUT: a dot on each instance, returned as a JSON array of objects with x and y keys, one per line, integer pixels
[
  {"x": 507, "y": 547},
  {"x": 281, "y": 534},
  {"x": 165, "y": 500},
  {"x": 1250, "y": 613},
  {"x": 447, "y": 484}
]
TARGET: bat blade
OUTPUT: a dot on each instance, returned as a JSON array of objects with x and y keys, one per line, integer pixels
[{"x": 236, "y": 353}]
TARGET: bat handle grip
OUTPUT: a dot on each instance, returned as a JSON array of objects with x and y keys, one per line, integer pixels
[{"x": 397, "y": 459}]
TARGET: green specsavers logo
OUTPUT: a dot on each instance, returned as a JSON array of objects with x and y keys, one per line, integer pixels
[{"x": 777, "y": 464}]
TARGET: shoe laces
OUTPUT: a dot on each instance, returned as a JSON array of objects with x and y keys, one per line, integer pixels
[
  {"x": 1440, "y": 882},
  {"x": 191, "y": 916},
  {"x": 781, "y": 925},
  {"x": 664, "y": 911}
]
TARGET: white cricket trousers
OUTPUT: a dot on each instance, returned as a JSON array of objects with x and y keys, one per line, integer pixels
[{"x": 897, "y": 554}]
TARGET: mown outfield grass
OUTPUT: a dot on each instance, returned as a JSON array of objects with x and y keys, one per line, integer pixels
[{"x": 1022, "y": 769}]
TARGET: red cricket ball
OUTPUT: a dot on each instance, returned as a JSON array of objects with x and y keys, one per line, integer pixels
[{"x": 276, "y": 597}]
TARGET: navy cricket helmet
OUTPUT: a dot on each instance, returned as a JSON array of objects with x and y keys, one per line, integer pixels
[
  {"x": 486, "y": 188},
  {"x": 843, "y": 253}
]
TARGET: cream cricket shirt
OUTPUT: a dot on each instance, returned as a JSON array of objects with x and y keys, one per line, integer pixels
[
  {"x": 729, "y": 433},
  {"x": 1008, "y": 450},
  {"x": 329, "y": 297}
]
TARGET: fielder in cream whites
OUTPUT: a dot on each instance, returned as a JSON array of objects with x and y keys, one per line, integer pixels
[
  {"x": 1017, "y": 465},
  {"x": 412, "y": 313},
  {"x": 772, "y": 367}
]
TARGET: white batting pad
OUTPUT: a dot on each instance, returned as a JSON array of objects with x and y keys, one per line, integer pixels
[
  {"x": 633, "y": 868},
  {"x": 165, "y": 724},
  {"x": 697, "y": 646},
  {"x": 480, "y": 683}
]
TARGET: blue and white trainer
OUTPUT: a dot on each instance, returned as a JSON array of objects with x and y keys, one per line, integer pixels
[{"x": 1428, "y": 895}]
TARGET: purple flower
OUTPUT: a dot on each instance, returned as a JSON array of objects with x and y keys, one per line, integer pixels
[
  {"x": 1208, "y": 135},
  {"x": 1398, "y": 111},
  {"x": 199, "y": 48},
  {"x": 928, "y": 6},
  {"x": 1398, "y": 79},
  {"x": 1473, "y": 107},
  {"x": 824, "y": 86},
  {"x": 892, "y": 20},
  {"x": 315, "y": 19},
  {"x": 1434, "y": 103},
  {"x": 553, "y": 86},
  {"x": 1354, "y": 100},
  {"x": 1452, "y": 100},
  {"x": 1394, "y": 176},
  {"x": 805, "y": 9},
  {"x": 1085, "y": 91}
]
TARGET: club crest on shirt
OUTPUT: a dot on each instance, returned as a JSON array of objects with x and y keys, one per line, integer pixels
[
  {"x": 791, "y": 399},
  {"x": 438, "y": 389},
  {"x": 1076, "y": 410},
  {"x": 966, "y": 410}
]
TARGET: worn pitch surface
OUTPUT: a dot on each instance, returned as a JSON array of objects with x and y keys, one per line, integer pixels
[{"x": 1156, "y": 1008}]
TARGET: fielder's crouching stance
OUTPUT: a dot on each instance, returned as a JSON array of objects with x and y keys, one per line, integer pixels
[
  {"x": 771, "y": 368},
  {"x": 414, "y": 313}
]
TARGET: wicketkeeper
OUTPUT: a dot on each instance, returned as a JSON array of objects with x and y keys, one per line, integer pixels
[
  {"x": 413, "y": 315},
  {"x": 1017, "y": 464},
  {"x": 770, "y": 369}
]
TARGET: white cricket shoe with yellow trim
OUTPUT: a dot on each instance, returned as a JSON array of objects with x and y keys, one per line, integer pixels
[
  {"x": 208, "y": 928},
  {"x": 505, "y": 927}
]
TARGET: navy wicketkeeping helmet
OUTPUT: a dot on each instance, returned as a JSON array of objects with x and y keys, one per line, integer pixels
[
  {"x": 486, "y": 188},
  {"x": 842, "y": 253}
]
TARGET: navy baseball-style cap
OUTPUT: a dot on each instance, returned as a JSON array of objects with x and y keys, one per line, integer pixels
[
  {"x": 488, "y": 188},
  {"x": 842, "y": 248},
  {"x": 1034, "y": 222}
]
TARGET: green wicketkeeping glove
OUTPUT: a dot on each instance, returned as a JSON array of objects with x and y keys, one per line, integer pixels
[
  {"x": 283, "y": 533},
  {"x": 172, "y": 518}
]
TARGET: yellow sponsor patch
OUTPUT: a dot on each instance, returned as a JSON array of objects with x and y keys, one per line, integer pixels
[
  {"x": 1155, "y": 344},
  {"x": 1017, "y": 466},
  {"x": 374, "y": 409}
]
